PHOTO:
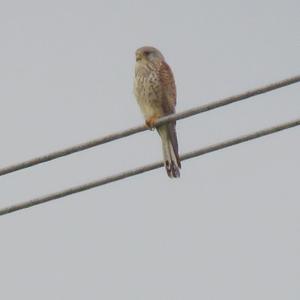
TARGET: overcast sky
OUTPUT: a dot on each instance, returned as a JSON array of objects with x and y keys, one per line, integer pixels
[{"x": 227, "y": 229}]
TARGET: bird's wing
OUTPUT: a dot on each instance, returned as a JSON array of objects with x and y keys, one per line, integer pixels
[
  {"x": 167, "y": 82},
  {"x": 168, "y": 131}
]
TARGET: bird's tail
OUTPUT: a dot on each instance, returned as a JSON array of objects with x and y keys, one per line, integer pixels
[{"x": 168, "y": 136}]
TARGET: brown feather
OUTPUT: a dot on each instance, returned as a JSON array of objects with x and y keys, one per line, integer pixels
[{"x": 169, "y": 88}]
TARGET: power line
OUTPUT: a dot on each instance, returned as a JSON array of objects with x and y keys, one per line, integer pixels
[
  {"x": 146, "y": 168},
  {"x": 134, "y": 130}
]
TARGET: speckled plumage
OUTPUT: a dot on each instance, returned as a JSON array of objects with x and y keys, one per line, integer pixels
[{"x": 155, "y": 90}]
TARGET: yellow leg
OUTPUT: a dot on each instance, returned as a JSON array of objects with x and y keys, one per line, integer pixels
[{"x": 151, "y": 122}]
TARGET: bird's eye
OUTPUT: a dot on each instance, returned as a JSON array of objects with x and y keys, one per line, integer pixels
[{"x": 147, "y": 53}]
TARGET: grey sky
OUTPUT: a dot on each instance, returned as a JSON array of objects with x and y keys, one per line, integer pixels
[{"x": 228, "y": 229}]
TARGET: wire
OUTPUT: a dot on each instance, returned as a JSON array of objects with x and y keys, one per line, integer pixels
[
  {"x": 146, "y": 168},
  {"x": 134, "y": 130}
]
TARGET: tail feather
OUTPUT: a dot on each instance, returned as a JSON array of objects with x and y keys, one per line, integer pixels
[{"x": 170, "y": 149}]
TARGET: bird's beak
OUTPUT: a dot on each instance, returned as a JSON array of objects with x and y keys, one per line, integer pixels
[{"x": 138, "y": 57}]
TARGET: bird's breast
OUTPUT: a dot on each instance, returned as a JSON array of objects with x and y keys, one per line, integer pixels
[
  {"x": 147, "y": 87},
  {"x": 148, "y": 91}
]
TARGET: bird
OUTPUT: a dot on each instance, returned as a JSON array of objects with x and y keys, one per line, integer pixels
[{"x": 155, "y": 92}]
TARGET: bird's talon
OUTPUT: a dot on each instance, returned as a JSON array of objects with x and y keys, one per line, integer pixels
[{"x": 150, "y": 123}]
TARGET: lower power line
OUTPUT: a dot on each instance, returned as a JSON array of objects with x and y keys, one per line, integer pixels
[{"x": 146, "y": 168}]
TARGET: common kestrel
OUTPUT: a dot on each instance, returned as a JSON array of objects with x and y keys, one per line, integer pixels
[{"x": 155, "y": 90}]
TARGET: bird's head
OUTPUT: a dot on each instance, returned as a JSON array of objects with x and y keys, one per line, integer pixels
[{"x": 147, "y": 54}]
